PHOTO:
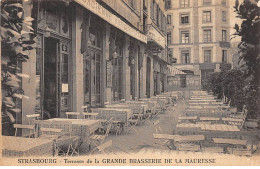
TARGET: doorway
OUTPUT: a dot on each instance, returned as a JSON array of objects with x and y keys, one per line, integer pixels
[
  {"x": 183, "y": 81},
  {"x": 50, "y": 99}
]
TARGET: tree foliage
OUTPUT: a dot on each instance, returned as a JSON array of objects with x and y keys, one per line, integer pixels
[
  {"x": 241, "y": 86},
  {"x": 16, "y": 42}
]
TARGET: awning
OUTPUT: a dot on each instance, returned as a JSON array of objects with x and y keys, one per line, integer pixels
[
  {"x": 229, "y": 141},
  {"x": 172, "y": 71},
  {"x": 156, "y": 37},
  {"x": 96, "y": 8}
]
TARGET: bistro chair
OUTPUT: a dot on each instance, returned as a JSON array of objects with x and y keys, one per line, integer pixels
[
  {"x": 25, "y": 126},
  {"x": 98, "y": 140},
  {"x": 91, "y": 115},
  {"x": 85, "y": 108},
  {"x": 32, "y": 117},
  {"x": 162, "y": 138},
  {"x": 69, "y": 143},
  {"x": 101, "y": 148}
]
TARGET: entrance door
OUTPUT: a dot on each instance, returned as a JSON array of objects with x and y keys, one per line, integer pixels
[
  {"x": 92, "y": 78},
  {"x": 183, "y": 81},
  {"x": 205, "y": 75},
  {"x": 50, "y": 100}
]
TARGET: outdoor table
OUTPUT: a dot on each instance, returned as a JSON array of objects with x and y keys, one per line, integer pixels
[
  {"x": 126, "y": 111},
  {"x": 116, "y": 106},
  {"x": 187, "y": 117},
  {"x": 203, "y": 100},
  {"x": 208, "y": 127},
  {"x": 81, "y": 127},
  {"x": 21, "y": 146},
  {"x": 209, "y": 118}
]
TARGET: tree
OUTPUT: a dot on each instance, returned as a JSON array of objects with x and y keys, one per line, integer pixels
[
  {"x": 249, "y": 49},
  {"x": 16, "y": 41}
]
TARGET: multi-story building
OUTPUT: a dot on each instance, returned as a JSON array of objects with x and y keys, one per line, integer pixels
[
  {"x": 198, "y": 33},
  {"x": 90, "y": 52}
]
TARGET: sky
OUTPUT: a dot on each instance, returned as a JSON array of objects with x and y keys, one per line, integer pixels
[{"x": 233, "y": 19}]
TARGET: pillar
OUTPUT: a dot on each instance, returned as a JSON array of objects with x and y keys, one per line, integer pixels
[
  {"x": 28, "y": 84},
  {"x": 152, "y": 79},
  {"x": 104, "y": 91},
  {"x": 136, "y": 71},
  {"x": 126, "y": 69},
  {"x": 77, "y": 62}
]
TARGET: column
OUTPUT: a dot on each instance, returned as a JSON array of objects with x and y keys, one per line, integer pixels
[
  {"x": 104, "y": 93},
  {"x": 136, "y": 88},
  {"x": 126, "y": 69},
  {"x": 152, "y": 79},
  {"x": 77, "y": 62},
  {"x": 143, "y": 77},
  {"x": 28, "y": 84},
  {"x": 159, "y": 85}
]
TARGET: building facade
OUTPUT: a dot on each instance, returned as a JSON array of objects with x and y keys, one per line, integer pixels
[
  {"x": 93, "y": 52},
  {"x": 198, "y": 36}
]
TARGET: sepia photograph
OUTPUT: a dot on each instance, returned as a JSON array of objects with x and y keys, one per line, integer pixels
[{"x": 130, "y": 83}]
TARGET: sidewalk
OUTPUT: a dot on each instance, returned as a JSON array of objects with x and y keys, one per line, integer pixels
[{"x": 143, "y": 138}]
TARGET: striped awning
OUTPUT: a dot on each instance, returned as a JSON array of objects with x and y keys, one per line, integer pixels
[{"x": 172, "y": 71}]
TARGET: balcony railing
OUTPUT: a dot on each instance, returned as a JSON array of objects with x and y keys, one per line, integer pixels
[{"x": 224, "y": 44}]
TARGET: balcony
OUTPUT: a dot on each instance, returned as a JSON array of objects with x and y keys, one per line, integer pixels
[
  {"x": 225, "y": 66},
  {"x": 154, "y": 38},
  {"x": 224, "y": 44}
]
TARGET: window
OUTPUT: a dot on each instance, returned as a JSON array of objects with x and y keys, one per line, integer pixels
[
  {"x": 224, "y": 56},
  {"x": 207, "y": 56},
  {"x": 163, "y": 23},
  {"x": 223, "y": 2},
  {"x": 207, "y": 35},
  {"x": 155, "y": 11},
  {"x": 206, "y": 2},
  {"x": 185, "y": 56},
  {"x": 168, "y": 4},
  {"x": 152, "y": 4},
  {"x": 169, "y": 19},
  {"x": 169, "y": 38},
  {"x": 184, "y": 18},
  {"x": 185, "y": 37},
  {"x": 206, "y": 16},
  {"x": 224, "y": 16},
  {"x": 159, "y": 16},
  {"x": 224, "y": 35},
  {"x": 132, "y": 3},
  {"x": 184, "y": 3},
  {"x": 145, "y": 5}
]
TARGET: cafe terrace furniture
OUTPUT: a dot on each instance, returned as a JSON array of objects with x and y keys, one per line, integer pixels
[
  {"x": 32, "y": 117},
  {"x": 25, "y": 147},
  {"x": 80, "y": 127},
  {"x": 90, "y": 115},
  {"x": 72, "y": 114},
  {"x": 187, "y": 119},
  {"x": 97, "y": 140},
  {"x": 60, "y": 132},
  {"x": 101, "y": 148},
  {"x": 181, "y": 142},
  {"x": 234, "y": 146},
  {"x": 29, "y": 127},
  {"x": 213, "y": 149}
]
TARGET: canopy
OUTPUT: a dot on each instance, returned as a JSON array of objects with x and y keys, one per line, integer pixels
[{"x": 172, "y": 71}]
